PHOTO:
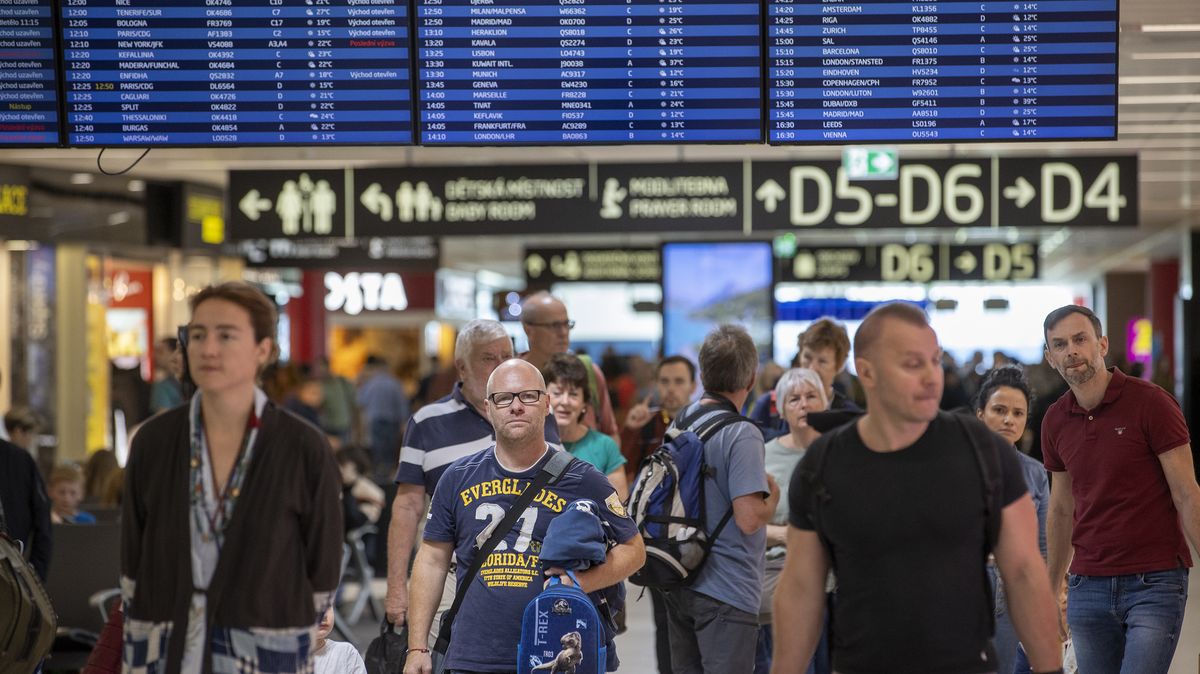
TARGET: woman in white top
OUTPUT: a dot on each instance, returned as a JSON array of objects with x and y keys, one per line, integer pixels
[{"x": 799, "y": 392}]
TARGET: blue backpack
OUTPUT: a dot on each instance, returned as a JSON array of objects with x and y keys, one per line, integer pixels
[
  {"x": 561, "y": 633},
  {"x": 667, "y": 502}
]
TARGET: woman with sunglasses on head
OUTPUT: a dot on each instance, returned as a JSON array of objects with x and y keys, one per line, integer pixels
[
  {"x": 232, "y": 522},
  {"x": 1003, "y": 404}
]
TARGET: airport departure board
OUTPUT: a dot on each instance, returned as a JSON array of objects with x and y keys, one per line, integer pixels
[
  {"x": 28, "y": 74},
  {"x": 855, "y": 71},
  {"x": 236, "y": 72},
  {"x": 541, "y": 72}
]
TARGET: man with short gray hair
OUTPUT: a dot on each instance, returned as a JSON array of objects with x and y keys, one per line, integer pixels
[
  {"x": 439, "y": 434},
  {"x": 714, "y": 622}
]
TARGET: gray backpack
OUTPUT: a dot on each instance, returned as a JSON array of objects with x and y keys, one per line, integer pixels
[{"x": 27, "y": 630}]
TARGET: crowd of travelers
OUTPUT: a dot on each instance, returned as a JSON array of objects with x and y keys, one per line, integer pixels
[{"x": 919, "y": 515}]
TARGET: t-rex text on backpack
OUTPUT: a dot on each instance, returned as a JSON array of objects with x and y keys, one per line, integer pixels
[{"x": 667, "y": 501}]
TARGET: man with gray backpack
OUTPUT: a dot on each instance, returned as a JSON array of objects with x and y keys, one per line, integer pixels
[{"x": 702, "y": 502}]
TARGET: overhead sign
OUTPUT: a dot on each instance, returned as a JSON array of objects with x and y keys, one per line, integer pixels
[
  {"x": 14, "y": 200},
  {"x": 605, "y": 198},
  {"x": 870, "y": 163},
  {"x": 911, "y": 263},
  {"x": 547, "y": 199},
  {"x": 394, "y": 252},
  {"x": 286, "y": 204},
  {"x": 996, "y": 192},
  {"x": 544, "y": 266},
  {"x": 353, "y": 293}
]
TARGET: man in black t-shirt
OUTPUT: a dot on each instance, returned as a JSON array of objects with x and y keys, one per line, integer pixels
[{"x": 899, "y": 506}]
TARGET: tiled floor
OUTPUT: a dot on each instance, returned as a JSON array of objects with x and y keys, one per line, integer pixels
[{"x": 636, "y": 646}]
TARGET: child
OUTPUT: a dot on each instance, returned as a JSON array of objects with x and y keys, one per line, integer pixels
[
  {"x": 66, "y": 491},
  {"x": 334, "y": 657}
]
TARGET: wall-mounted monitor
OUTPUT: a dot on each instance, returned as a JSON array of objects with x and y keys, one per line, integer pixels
[
  {"x": 881, "y": 71},
  {"x": 706, "y": 284},
  {"x": 578, "y": 72},
  {"x": 236, "y": 72},
  {"x": 28, "y": 74}
]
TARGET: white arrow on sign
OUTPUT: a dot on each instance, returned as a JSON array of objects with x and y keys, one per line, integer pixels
[
  {"x": 535, "y": 264},
  {"x": 966, "y": 262},
  {"x": 1021, "y": 191},
  {"x": 770, "y": 193},
  {"x": 882, "y": 162},
  {"x": 377, "y": 202},
  {"x": 254, "y": 205}
]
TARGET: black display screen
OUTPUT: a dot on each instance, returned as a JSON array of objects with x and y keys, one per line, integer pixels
[
  {"x": 28, "y": 75},
  {"x": 236, "y": 72},
  {"x": 855, "y": 71},
  {"x": 540, "y": 72}
]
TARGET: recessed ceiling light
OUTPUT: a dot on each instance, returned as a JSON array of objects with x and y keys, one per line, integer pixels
[
  {"x": 136, "y": 185},
  {"x": 1166, "y": 56},
  {"x": 82, "y": 179},
  {"x": 1172, "y": 28},
  {"x": 1160, "y": 79}
]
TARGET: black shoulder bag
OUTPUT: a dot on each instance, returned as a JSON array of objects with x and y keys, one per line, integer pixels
[{"x": 549, "y": 474}]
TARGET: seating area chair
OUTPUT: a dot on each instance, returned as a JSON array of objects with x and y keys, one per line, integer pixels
[
  {"x": 85, "y": 569},
  {"x": 359, "y": 570}
]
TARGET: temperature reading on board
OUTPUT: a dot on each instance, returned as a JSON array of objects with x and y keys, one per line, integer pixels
[
  {"x": 496, "y": 72},
  {"x": 236, "y": 72},
  {"x": 856, "y": 71}
]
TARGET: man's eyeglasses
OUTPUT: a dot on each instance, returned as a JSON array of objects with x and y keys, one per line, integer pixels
[
  {"x": 556, "y": 325},
  {"x": 505, "y": 398}
]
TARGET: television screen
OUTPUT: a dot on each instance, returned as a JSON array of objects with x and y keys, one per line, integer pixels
[
  {"x": 28, "y": 79},
  {"x": 236, "y": 72},
  {"x": 707, "y": 284},
  {"x": 930, "y": 72},
  {"x": 501, "y": 72}
]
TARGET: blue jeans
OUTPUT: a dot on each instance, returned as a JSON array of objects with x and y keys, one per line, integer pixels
[
  {"x": 1010, "y": 655},
  {"x": 1126, "y": 624},
  {"x": 820, "y": 663}
]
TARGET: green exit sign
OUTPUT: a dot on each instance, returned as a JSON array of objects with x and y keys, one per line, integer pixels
[{"x": 870, "y": 163}]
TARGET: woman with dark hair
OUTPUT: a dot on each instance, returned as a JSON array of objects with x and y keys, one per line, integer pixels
[
  {"x": 1003, "y": 405},
  {"x": 569, "y": 393},
  {"x": 232, "y": 524}
]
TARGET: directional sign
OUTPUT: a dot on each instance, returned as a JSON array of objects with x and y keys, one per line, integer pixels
[
  {"x": 1070, "y": 191},
  {"x": 910, "y": 263},
  {"x": 286, "y": 204},
  {"x": 547, "y": 199},
  {"x": 420, "y": 252},
  {"x": 544, "y": 266},
  {"x": 782, "y": 196},
  {"x": 995, "y": 192},
  {"x": 870, "y": 163}
]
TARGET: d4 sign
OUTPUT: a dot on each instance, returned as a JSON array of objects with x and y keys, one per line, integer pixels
[{"x": 370, "y": 291}]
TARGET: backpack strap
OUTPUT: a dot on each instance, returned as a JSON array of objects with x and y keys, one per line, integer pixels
[
  {"x": 726, "y": 415},
  {"x": 982, "y": 441},
  {"x": 813, "y": 477},
  {"x": 549, "y": 474}
]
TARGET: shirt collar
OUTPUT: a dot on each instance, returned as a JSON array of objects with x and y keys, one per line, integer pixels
[{"x": 1115, "y": 385}]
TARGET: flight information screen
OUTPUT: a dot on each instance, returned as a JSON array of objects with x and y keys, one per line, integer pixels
[
  {"x": 497, "y": 72},
  {"x": 236, "y": 72},
  {"x": 28, "y": 82},
  {"x": 849, "y": 71}
]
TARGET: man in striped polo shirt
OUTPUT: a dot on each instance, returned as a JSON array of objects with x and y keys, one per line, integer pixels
[{"x": 439, "y": 434}]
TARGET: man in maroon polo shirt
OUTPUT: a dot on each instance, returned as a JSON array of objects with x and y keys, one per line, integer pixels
[{"x": 1123, "y": 485}]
